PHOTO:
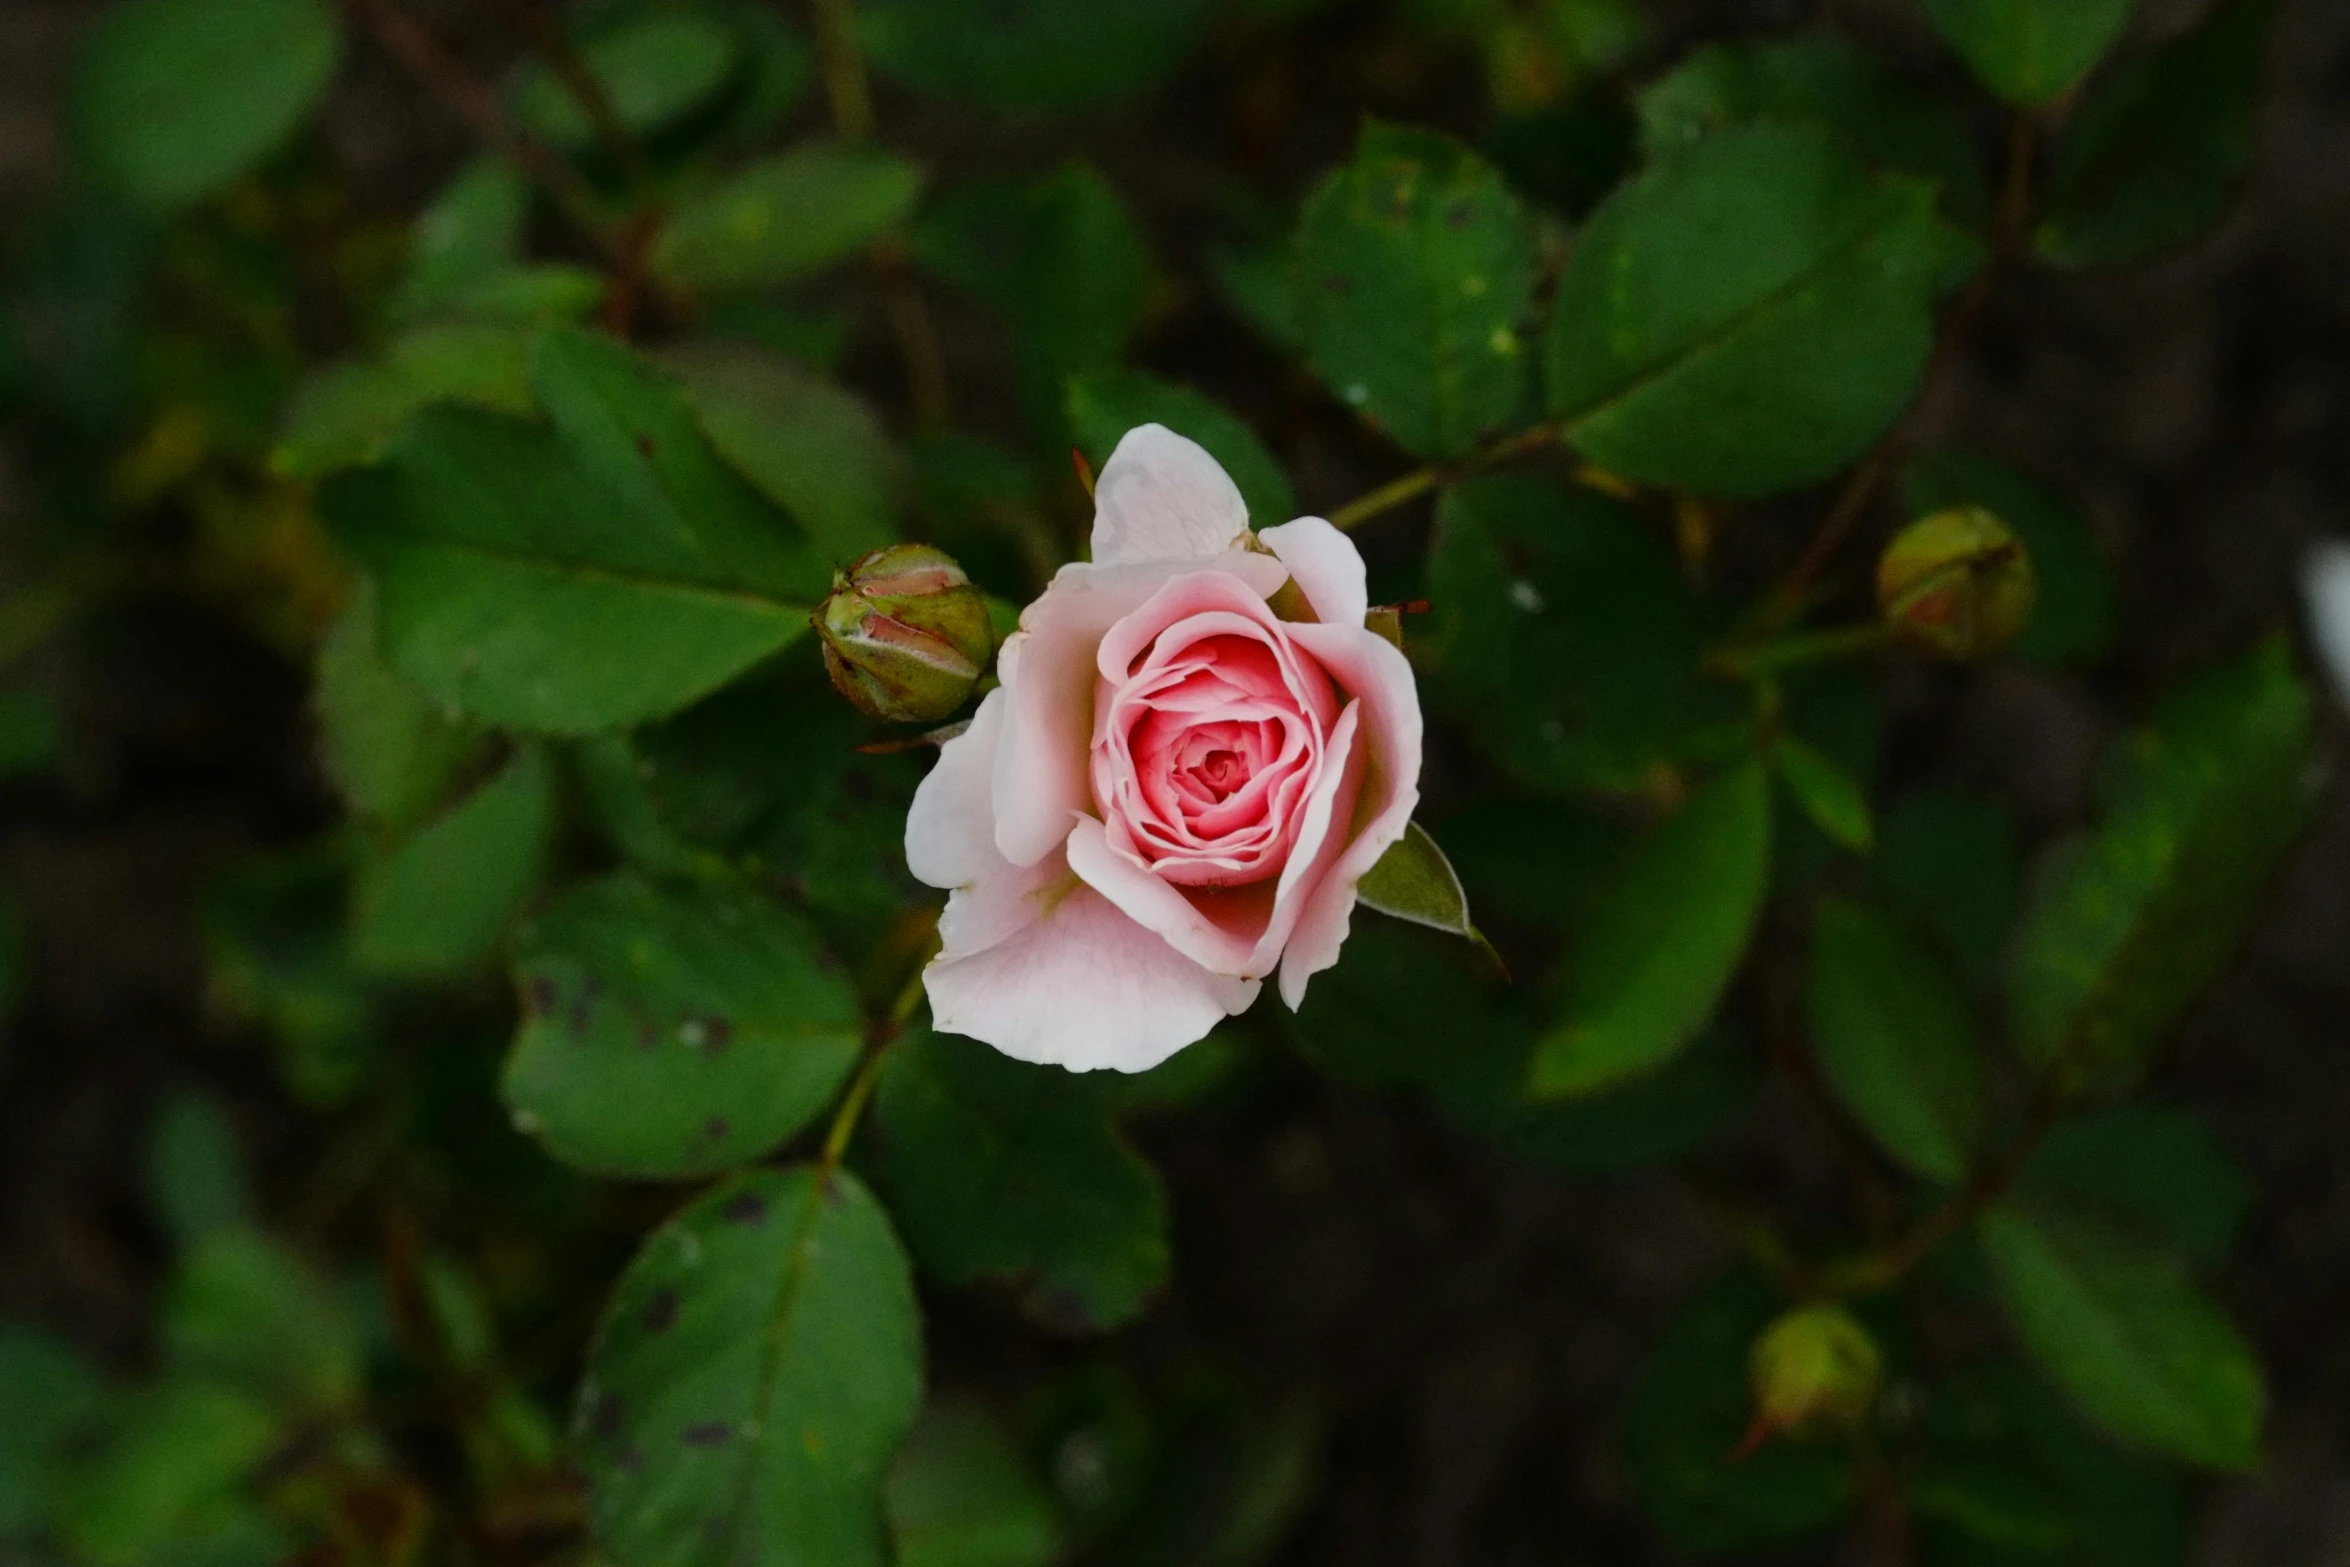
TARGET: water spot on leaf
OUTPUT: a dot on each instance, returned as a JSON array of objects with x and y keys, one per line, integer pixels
[
  {"x": 1527, "y": 596},
  {"x": 710, "y": 1433},
  {"x": 749, "y": 1208},
  {"x": 661, "y": 1312},
  {"x": 715, "y": 1129}
]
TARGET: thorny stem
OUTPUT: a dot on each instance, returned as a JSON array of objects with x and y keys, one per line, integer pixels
[
  {"x": 1395, "y": 492},
  {"x": 422, "y": 55}
]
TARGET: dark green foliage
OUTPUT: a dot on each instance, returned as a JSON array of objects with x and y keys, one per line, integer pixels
[
  {"x": 756, "y": 1370},
  {"x": 1687, "y": 1412},
  {"x": 1415, "y": 271},
  {"x": 1565, "y": 638},
  {"x": 2030, "y": 51},
  {"x": 538, "y": 478},
  {"x": 2155, "y": 155},
  {"x": 176, "y": 98},
  {"x": 2134, "y": 919},
  {"x": 1664, "y": 944},
  {"x": 1746, "y": 316},
  {"x": 1895, "y": 1039},
  {"x": 1005, "y": 1171},
  {"x": 674, "y": 1032},
  {"x": 2117, "y": 1325}
]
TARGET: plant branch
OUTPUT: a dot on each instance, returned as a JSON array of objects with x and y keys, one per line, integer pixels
[
  {"x": 1879, "y": 1270},
  {"x": 2011, "y": 225},
  {"x": 885, "y": 1033},
  {"x": 441, "y": 74},
  {"x": 553, "y": 45},
  {"x": 842, "y": 63},
  {"x": 1747, "y": 660},
  {"x": 1395, "y": 492}
]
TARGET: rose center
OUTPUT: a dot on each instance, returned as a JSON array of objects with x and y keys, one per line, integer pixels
[{"x": 1220, "y": 772}]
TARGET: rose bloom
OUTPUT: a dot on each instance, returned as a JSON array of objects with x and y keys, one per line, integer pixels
[{"x": 1177, "y": 785}]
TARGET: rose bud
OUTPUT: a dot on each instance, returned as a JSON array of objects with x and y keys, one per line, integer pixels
[
  {"x": 1814, "y": 1371},
  {"x": 905, "y": 634},
  {"x": 1956, "y": 584}
]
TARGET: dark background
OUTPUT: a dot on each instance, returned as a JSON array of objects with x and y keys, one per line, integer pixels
[{"x": 1463, "y": 1324}]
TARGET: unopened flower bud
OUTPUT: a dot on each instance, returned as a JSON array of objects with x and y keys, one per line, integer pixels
[
  {"x": 1956, "y": 584},
  {"x": 1815, "y": 1370},
  {"x": 905, "y": 634}
]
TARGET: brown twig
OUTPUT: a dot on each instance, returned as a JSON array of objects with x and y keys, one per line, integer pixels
[
  {"x": 424, "y": 58},
  {"x": 554, "y": 46}
]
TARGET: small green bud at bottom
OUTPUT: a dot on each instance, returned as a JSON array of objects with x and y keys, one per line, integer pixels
[{"x": 1815, "y": 1370}]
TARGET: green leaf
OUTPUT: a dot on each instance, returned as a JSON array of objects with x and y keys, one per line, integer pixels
[
  {"x": 392, "y": 754},
  {"x": 346, "y": 413},
  {"x": 759, "y": 1364},
  {"x": 785, "y": 217},
  {"x": 2146, "y": 1168},
  {"x": 2157, "y": 154},
  {"x": 173, "y": 1477},
  {"x": 438, "y": 901},
  {"x": 1878, "y": 117},
  {"x": 471, "y": 231},
  {"x": 1836, "y": 803},
  {"x": 668, "y": 1034},
  {"x": 1051, "y": 56},
  {"x": 961, "y": 1495},
  {"x": 1260, "y": 287},
  {"x": 1415, "y": 275},
  {"x": 583, "y": 577},
  {"x": 2118, "y": 1326},
  {"x": 2006, "y": 1476},
  {"x": 1566, "y": 637},
  {"x": 1688, "y": 1411},
  {"x": 1956, "y": 863},
  {"x": 276, "y": 960},
  {"x": 817, "y": 450},
  {"x": 2073, "y": 617},
  {"x": 174, "y": 99},
  {"x": 1103, "y": 407},
  {"x": 1679, "y": 356},
  {"x": 2030, "y": 51},
  {"x": 51, "y": 1393},
  {"x": 1896, "y": 1040},
  {"x": 2131, "y": 921},
  {"x": 655, "y": 69},
  {"x": 196, "y": 1169},
  {"x": 1649, "y": 972},
  {"x": 1060, "y": 258},
  {"x": 1003, "y": 1170},
  {"x": 1414, "y": 881},
  {"x": 245, "y": 1310}
]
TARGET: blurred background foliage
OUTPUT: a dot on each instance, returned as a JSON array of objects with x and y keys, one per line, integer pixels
[{"x": 464, "y": 1099}]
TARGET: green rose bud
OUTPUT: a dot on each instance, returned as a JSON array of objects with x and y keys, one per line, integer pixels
[
  {"x": 905, "y": 634},
  {"x": 1956, "y": 584},
  {"x": 1815, "y": 1370}
]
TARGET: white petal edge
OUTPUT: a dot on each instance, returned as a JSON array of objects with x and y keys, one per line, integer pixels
[
  {"x": 950, "y": 828},
  {"x": 1162, "y": 497},
  {"x": 1327, "y": 567},
  {"x": 1085, "y": 988},
  {"x": 2325, "y": 579},
  {"x": 1374, "y": 672}
]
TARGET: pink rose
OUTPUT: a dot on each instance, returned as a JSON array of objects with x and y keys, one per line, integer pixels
[{"x": 1175, "y": 789}]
